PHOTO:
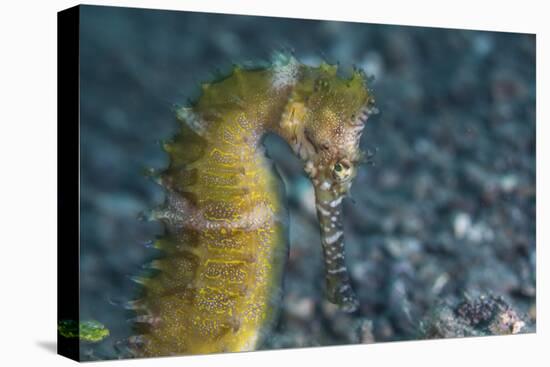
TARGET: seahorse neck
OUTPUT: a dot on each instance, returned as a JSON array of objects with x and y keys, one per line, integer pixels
[{"x": 267, "y": 117}]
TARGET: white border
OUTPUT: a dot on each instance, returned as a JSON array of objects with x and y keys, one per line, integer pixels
[{"x": 28, "y": 180}]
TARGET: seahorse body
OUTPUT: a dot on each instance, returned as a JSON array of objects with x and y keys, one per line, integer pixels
[{"x": 218, "y": 286}]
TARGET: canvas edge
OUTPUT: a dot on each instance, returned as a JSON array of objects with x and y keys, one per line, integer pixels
[{"x": 68, "y": 176}]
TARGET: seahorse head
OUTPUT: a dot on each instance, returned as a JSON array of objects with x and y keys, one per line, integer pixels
[{"x": 323, "y": 122}]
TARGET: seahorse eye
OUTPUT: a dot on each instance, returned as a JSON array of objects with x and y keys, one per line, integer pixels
[{"x": 341, "y": 171}]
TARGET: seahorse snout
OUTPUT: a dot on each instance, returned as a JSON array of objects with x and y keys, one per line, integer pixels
[{"x": 329, "y": 211}]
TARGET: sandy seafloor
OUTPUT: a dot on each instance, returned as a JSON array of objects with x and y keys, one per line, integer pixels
[{"x": 444, "y": 216}]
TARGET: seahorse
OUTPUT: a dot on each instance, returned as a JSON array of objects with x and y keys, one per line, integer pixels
[{"x": 218, "y": 286}]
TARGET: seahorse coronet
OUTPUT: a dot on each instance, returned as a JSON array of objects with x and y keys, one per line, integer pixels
[{"x": 218, "y": 286}]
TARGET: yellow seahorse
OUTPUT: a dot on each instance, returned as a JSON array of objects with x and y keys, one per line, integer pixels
[{"x": 219, "y": 284}]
